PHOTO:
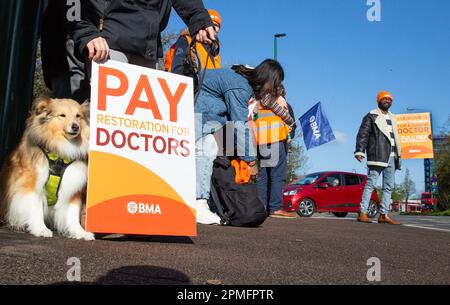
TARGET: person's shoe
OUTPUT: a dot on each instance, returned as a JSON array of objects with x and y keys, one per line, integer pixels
[
  {"x": 388, "y": 220},
  {"x": 362, "y": 217},
  {"x": 282, "y": 214},
  {"x": 204, "y": 214}
]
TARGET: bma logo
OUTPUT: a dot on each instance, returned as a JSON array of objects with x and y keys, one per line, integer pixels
[
  {"x": 314, "y": 127},
  {"x": 132, "y": 207},
  {"x": 143, "y": 208}
]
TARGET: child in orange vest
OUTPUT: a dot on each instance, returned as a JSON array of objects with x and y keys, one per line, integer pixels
[{"x": 272, "y": 156}]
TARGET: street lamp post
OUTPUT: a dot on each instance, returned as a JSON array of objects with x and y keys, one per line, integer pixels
[{"x": 275, "y": 44}]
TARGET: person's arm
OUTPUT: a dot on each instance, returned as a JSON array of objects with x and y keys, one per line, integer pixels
[
  {"x": 87, "y": 36},
  {"x": 197, "y": 18},
  {"x": 362, "y": 139},
  {"x": 277, "y": 107},
  {"x": 237, "y": 104},
  {"x": 181, "y": 48}
]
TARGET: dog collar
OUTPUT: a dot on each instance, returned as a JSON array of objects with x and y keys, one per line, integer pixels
[{"x": 57, "y": 166}]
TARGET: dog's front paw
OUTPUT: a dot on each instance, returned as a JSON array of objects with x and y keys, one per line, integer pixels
[
  {"x": 88, "y": 236},
  {"x": 43, "y": 232},
  {"x": 83, "y": 235}
]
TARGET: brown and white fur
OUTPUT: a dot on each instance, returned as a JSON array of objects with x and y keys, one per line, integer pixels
[{"x": 52, "y": 125}]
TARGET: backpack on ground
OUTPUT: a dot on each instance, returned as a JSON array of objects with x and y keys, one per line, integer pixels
[{"x": 236, "y": 204}]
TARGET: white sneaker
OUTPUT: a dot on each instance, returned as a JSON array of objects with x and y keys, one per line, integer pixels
[{"x": 204, "y": 214}]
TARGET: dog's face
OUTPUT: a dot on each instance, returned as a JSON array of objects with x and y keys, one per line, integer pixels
[
  {"x": 59, "y": 123},
  {"x": 64, "y": 118}
]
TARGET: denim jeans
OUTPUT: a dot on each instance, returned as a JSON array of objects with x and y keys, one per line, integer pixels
[
  {"x": 271, "y": 179},
  {"x": 206, "y": 150},
  {"x": 388, "y": 185}
]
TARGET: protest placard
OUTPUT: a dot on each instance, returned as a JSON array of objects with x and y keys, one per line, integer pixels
[{"x": 142, "y": 152}]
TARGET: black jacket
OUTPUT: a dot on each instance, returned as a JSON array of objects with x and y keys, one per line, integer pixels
[
  {"x": 374, "y": 138},
  {"x": 135, "y": 26}
]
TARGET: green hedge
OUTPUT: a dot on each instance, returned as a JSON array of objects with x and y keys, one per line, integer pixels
[{"x": 431, "y": 213}]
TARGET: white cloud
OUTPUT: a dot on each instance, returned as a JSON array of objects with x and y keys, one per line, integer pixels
[{"x": 341, "y": 138}]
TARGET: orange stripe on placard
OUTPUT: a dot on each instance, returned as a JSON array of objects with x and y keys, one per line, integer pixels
[
  {"x": 416, "y": 152},
  {"x": 112, "y": 176},
  {"x": 142, "y": 214}
]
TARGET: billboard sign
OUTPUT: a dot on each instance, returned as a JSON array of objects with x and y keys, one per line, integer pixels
[{"x": 415, "y": 135}]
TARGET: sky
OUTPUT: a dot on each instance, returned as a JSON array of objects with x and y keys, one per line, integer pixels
[{"x": 333, "y": 54}]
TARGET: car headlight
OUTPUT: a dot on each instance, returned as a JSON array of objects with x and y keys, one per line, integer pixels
[{"x": 290, "y": 193}]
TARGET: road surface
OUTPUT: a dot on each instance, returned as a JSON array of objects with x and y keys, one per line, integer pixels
[{"x": 321, "y": 250}]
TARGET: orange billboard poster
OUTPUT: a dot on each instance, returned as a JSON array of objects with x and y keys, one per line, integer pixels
[
  {"x": 141, "y": 152},
  {"x": 415, "y": 135}
]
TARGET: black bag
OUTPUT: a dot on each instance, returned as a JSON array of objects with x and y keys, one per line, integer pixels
[{"x": 237, "y": 204}]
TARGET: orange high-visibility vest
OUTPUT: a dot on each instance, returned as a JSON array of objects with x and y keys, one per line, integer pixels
[
  {"x": 169, "y": 58},
  {"x": 268, "y": 127},
  {"x": 202, "y": 53}
]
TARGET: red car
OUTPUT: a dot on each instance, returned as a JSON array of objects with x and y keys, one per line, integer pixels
[{"x": 336, "y": 192}]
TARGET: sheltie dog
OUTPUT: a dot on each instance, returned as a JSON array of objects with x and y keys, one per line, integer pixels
[{"x": 43, "y": 181}]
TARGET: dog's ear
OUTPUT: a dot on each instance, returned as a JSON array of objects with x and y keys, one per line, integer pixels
[
  {"x": 85, "y": 109},
  {"x": 41, "y": 105}
]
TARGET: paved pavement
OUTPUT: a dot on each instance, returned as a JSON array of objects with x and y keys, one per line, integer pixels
[
  {"x": 437, "y": 223},
  {"x": 282, "y": 251}
]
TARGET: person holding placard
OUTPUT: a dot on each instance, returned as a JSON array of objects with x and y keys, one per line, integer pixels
[{"x": 130, "y": 31}]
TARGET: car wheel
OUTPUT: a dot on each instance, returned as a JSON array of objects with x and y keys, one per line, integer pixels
[
  {"x": 340, "y": 214},
  {"x": 373, "y": 209},
  {"x": 306, "y": 208}
]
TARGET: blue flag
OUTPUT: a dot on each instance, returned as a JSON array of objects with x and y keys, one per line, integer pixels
[{"x": 316, "y": 128}]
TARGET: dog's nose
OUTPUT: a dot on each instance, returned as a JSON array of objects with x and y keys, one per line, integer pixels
[{"x": 75, "y": 127}]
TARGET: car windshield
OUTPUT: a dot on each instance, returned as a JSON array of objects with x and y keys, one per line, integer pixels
[
  {"x": 307, "y": 180},
  {"x": 426, "y": 196}
]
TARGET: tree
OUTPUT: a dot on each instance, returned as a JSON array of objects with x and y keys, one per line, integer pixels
[
  {"x": 168, "y": 38},
  {"x": 408, "y": 186},
  {"x": 442, "y": 169},
  {"x": 297, "y": 162},
  {"x": 398, "y": 193},
  {"x": 39, "y": 89}
]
